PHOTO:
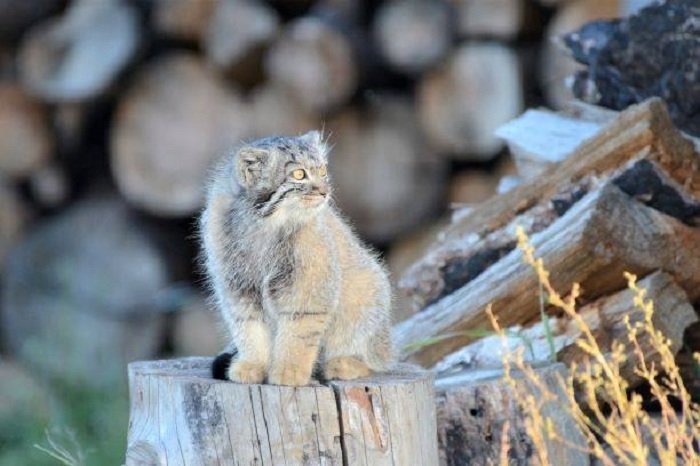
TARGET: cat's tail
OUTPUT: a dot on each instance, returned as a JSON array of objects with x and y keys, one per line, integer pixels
[{"x": 219, "y": 368}]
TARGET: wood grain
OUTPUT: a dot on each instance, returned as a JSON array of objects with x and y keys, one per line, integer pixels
[{"x": 181, "y": 416}]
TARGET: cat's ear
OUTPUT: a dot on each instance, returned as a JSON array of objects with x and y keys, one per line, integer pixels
[
  {"x": 250, "y": 163},
  {"x": 315, "y": 139}
]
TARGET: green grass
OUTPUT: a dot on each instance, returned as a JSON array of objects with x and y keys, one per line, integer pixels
[{"x": 84, "y": 427}]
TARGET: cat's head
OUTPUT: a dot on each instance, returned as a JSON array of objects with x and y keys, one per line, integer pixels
[{"x": 284, "y": 176}]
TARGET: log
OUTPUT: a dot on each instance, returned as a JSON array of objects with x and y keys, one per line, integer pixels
[
  {"x": 196, "y": 329},
  {"x": 593, "y": 243},
  {"x": 49, "y": 186},
  {"x": 473, "y": 186},
  {"x": 237, "y": 37},
  {"x": 652, "y": 53},
  {"x": 16, "y": 16},
  {"x": 84, "y": 285},
  {"x": 673, "y": 314},
  {"x": 14, "y": 217},
  {"x": 25, "y": 139},
  {"x": 557, "y": 66},
  {"x": 463, "y": 102},
  {"x": 164, "y": 140},
  {"x": 474, "y": 406},
  {"x": 315, "y": 62},
  {"x": 540, "y": 138},
  {"x": 180, "y": 415},
  {"x": 385, "y": 178},
  {"x": 499, "y": 19},
  {"x": 80, "y": 54},
  {"x": 182, "y": 19},
  {"x": 275, "y": 110},
  {"x": 413, "y": 35},
  {"x": 688, "y": 365},
  {"x": 476, "y": 240}
]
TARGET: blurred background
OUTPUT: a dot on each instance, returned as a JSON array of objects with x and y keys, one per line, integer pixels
[{"x": 111, "y": 111}]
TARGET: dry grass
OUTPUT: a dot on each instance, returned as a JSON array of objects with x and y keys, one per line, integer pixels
[{"x": 611, "y": 417}]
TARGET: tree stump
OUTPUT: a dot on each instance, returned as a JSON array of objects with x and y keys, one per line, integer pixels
[
  {"x": 180, "y": 415},
  {"x": 474, "y": 406}
]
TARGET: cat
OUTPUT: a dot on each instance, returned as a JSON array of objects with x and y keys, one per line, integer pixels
[{"x": 297, "y": 290}]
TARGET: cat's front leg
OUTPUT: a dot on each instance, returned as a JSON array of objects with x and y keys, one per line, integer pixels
[
  {"x": 251, "y": 336},
  {"x": 296, "y": 345}
]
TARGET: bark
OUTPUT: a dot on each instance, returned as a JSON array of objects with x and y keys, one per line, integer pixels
[{"x": 474, "y": 406}]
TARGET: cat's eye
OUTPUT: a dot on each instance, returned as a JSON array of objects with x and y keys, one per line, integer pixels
[
  {"x": 299, "y": 174},
  {"x": 322, "y": 171}
]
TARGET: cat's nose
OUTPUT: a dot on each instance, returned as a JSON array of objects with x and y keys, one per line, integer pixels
[{"x": 321, "y": 189}]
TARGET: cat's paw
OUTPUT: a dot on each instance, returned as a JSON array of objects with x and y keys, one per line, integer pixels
[
  {"x": 290, "y": 374},
  {"x": 246, "y": 372},
  {"x": 345, "y": 368}
]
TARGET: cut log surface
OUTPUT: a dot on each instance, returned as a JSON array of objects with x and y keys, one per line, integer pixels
[
  {"x": 462, "y": 103},
  {"x": 413, "y": 35},
  {"x": 14, "y": 216},
  {"x": 275, "y": 110},
  {"x": 474, "y": 406},
  {"x": 25, "y": 138},
  {"x": 183, "y": 19},
  {"x": 486, "y": 233},
  {"x": 673, "y": 314},
  {"x": 237, "y": 36},
  {"x": 164, "y": 139},
  {"x": 78, "y": 55},
  {"x": 315, "y": 62},
  {"x": 386, "y": 180},
  {"x": 501, "y": 19},
  {"x": 181, "y": 416}
]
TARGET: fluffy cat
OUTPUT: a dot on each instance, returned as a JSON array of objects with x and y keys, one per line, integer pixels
[{"x": 296, "y": 288}]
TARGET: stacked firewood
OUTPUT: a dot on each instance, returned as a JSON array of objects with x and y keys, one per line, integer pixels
[{"x": 602, "y": 193}]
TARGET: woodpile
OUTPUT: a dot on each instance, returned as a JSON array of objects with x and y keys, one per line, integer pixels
[
  {"x": 632, "y": 188},
  {"x": 620, "y": 192}
]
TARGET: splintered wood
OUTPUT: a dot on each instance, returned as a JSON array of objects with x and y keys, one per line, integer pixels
[
  {"x": 179, "y": 415},
  {"x": 626, "y": 200}
]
